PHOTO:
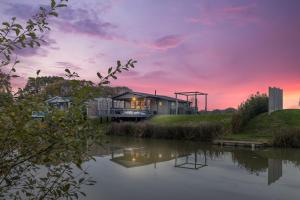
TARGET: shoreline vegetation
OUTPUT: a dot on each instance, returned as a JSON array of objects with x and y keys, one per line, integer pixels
[
  {"x": 280, "y": 129},
  {"x": 202, "y": 131}
]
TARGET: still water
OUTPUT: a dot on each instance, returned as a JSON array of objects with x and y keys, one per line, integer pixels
[{"x": 127, "y": 168}]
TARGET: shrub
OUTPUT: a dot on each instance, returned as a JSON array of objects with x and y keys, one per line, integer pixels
[
  {"x": 5, "y": 99},
  {"x": 287, "y": 137},
  {"x": 253, "y": 106},
  {"x": 205, "y": 131}
]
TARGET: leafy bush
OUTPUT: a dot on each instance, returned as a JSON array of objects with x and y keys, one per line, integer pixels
[
  {"x": 206, "y": 131},
  {"x": 287, "y": 137},
  {"x": 5, "y": 99},
  {"x": 253, "y": 106}
]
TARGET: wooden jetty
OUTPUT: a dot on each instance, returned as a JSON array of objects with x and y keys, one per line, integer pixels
[{"x": 234, "y": 143}]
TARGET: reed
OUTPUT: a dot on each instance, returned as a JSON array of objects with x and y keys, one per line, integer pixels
[
  {"x": 287, "y": 137},
  {"x": 203, "y": 131}
]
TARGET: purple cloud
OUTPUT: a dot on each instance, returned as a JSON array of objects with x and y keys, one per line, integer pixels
[
  {"x": 167, "y": 42},
  {"x": 46, "y": 44},
  {"x": 70, "y": 20},
  {"x": 237, "y": 15},
  {"x": 69, "y": 65},
  {"x": 22, "y": 10},
  {"x": 88, "y": 27}
]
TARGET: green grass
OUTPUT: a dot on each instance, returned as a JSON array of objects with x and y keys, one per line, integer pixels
[
  {"x": 175, "y": 119},
  {"x": 263, "y": 127},
  {"x": 224, "y": 118}
]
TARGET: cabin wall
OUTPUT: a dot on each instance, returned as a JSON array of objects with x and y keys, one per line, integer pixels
[
  {"x": 127, "y": 96},
  {"x": 160, "y": 107},
  {"x": 99, "y": 106},
  {"x": 92, "y": 109}
]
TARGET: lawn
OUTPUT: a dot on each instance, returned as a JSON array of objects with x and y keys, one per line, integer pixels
[
  {"x": 174, "y": 119},
  {"x": 225, "y": 119}
]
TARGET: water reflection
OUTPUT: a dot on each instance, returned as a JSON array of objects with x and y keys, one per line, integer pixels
[
  {"x": 194, "y": 160},
  {"x": 130, "y": 153}
]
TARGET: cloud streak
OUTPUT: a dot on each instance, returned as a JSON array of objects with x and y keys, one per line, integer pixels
[
  {"x": 166, "y": 42},
  {"x": 237, "y": 15}
]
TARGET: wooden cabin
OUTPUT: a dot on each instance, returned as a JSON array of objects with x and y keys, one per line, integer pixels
[
  {"x": 62, "y": 103},
  {"x": 155, "y": 104},
  {"x": 136, "y": 105}
]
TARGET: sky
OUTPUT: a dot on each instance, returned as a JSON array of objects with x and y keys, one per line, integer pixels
[{"x": 229, "y": 49}]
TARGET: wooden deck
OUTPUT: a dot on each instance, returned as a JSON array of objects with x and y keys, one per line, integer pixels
[
  {"x": 250, "y": 144},
  {"x": 125, "y": 113}
]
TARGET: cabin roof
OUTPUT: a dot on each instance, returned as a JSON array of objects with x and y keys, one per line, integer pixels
[
  {"x": 146, "y": 95},
  {"x": 58, "y": 99}
]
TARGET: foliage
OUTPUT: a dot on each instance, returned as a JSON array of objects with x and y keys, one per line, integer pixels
[
  {"x": 60, "y": 138},
  {"x": 48, "y": 87},
  {"x": 5, "y": 99},
  {"x": 55, "y": 144},
  {"x": 205, "y": 131},
  {"x": 112, "y": 72},
  {"x": 5, "y": 86},
  {"x": 36, "y": 85},
  {"x": 14, "y": 36},
  {"x": 253, "y": 106}
]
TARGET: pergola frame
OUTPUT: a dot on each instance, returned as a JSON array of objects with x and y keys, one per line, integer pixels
[{"x": 193, "y": 94}]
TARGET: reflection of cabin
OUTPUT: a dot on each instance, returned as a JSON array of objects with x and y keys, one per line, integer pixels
[
  {"x": 62, "y": 103},
  {"x": 136, "y": 157},
  {"x": 194, "y": 160}
]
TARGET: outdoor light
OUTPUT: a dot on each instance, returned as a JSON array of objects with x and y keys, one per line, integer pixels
[
  {"x": 133, "y": 99},
  {"x": 159, "y": 155},
  {"x": 133, "y": 159}
]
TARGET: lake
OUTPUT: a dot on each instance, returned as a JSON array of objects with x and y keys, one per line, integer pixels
[{"x": 145, "y": 169}]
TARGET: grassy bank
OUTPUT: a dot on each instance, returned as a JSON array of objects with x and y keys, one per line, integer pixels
[
  {"x": 267, "y": 127},
  {"x": 223, "y": 119},
  {"x": 281, "y": 128}
]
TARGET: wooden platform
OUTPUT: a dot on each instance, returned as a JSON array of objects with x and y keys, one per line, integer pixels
[{"x": 250, "y": 144}]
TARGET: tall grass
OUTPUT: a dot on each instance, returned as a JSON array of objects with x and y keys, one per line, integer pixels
[
  {"x": 287, "y": 137},
  {"x": 204, "y": 131},
  {"x": 252, "y": 107}
]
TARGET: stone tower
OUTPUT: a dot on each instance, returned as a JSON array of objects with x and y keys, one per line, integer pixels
[{"x": 275, "y": 99}]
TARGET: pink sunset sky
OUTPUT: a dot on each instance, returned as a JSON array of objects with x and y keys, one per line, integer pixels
[{"x": 229, "y": 49}]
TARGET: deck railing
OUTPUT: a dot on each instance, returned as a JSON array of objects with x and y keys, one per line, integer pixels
[{"x": 122, "y": 112}]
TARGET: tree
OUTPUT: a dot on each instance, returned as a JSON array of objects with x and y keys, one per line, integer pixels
[
  {"x": 14, "y": 36},
  {"x": 55, "y": 142}
]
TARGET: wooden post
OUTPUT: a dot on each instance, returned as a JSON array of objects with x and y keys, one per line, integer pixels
[
  {"x": 205, "y": 102},
  {"x": 196, "y": 102},
  {"x": 176, "y": 105},
  {"x": 195, "y": 159}
]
